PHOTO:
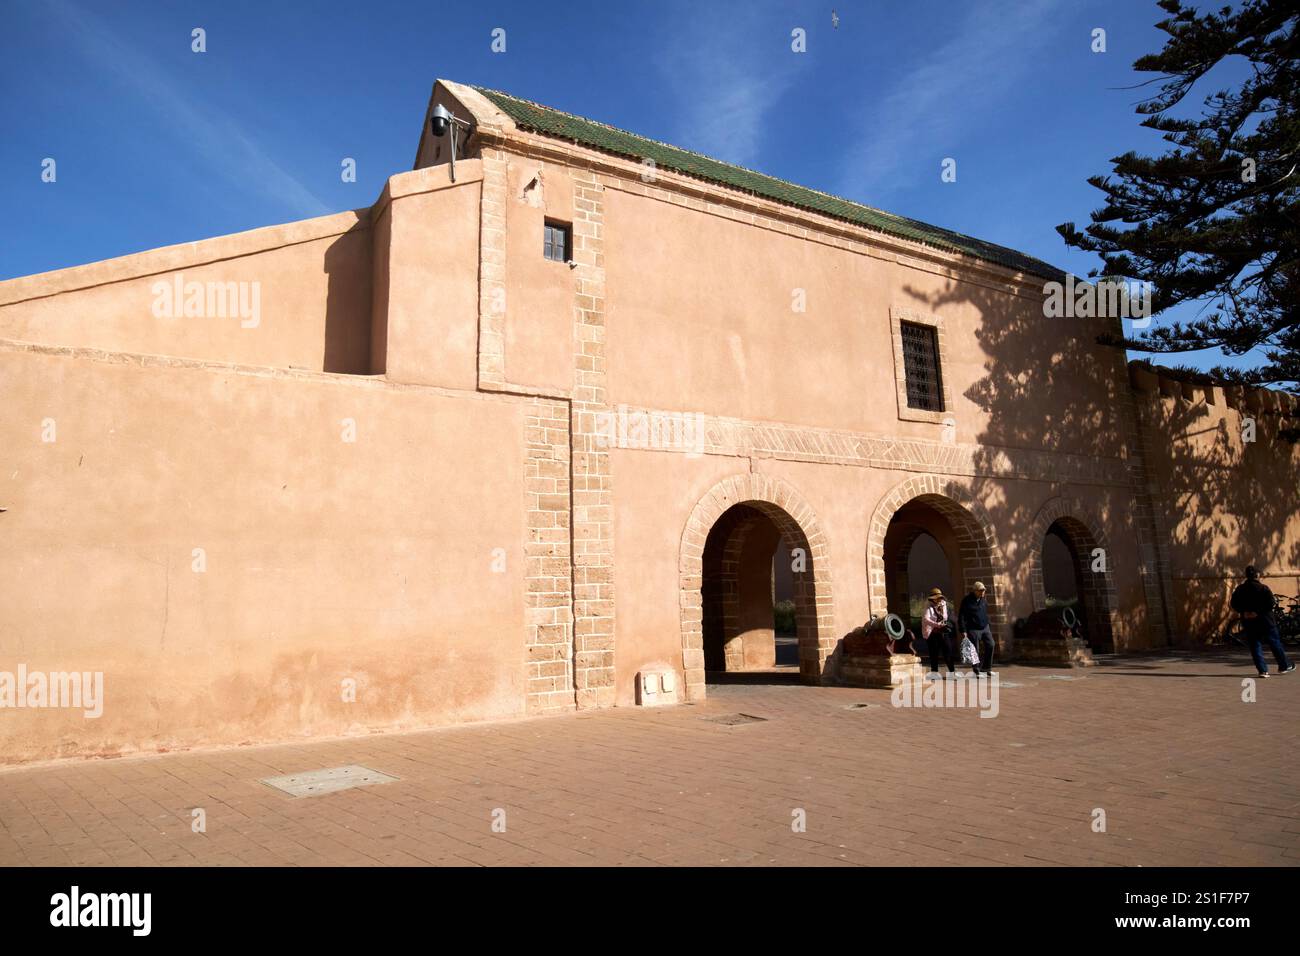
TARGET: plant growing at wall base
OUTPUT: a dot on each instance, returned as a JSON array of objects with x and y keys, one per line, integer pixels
[{"x": 783, "y": 615}]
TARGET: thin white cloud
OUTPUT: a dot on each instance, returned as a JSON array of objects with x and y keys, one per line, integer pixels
[
  {"x": 926, "y": 110},
  {"x": 727, "y": 81},
  {"x": 214, "y": 138}
]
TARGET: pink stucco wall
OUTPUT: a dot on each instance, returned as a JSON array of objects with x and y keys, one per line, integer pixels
[
  {"x": 459, "y": 559},
  {"x": 324, "y": 559}
]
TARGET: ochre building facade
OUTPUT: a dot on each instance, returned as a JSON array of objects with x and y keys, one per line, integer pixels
[{"x": 500, "y": 443}]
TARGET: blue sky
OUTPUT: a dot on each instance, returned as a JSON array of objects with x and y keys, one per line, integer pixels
[{"x": 156, "y": 144}]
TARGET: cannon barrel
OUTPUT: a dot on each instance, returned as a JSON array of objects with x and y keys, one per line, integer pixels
[
  {"x": 1053, "y": 636},
  {"x": 1052, "y": 622},
  {"x": 880, "y": 636},
  {"x": 891, "y": 624}
]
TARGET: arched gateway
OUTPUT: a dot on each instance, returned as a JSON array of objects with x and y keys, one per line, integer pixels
[
  {"x": 735, "y": 516},
  {"x": 1088, "y": 557},
  {"x": 939, "y": 511}
]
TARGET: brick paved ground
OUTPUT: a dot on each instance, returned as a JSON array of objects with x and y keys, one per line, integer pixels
[{"x": 1186, "y": 772}]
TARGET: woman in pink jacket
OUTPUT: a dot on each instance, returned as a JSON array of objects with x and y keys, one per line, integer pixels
[{"x": 937, "y": 629}]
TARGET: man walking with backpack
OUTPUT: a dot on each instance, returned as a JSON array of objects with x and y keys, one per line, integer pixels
[{"x": 1253, "y": 600}]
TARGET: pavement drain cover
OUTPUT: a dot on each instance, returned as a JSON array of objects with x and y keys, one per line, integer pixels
[
  {"x": 1060, "y": 677},
  {"x": 732, "y": 720},
  {"x": 313, "y": 783},
  {"x": 1007, "y": 683}
]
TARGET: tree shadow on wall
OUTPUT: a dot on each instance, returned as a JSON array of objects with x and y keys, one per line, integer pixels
[
  {"x": 1047, "y": 386},
  {"x": 1228, "y": 501}
]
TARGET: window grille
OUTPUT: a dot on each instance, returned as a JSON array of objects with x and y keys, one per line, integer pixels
[{"x": 921, "y": 367}]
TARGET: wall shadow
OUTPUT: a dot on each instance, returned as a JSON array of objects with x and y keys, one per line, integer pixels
[
  {"x": 348, "y": 302},
  {"x": 1227, "y": 501},
  {"x": 1048, "y": 386}
]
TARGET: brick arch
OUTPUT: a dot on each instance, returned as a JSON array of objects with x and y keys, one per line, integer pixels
[
  {"x": 799, "y": 528},
  {"x": 1096, "y": 588},
  {"x": 736, "y": 536},
  {"x": 980, "y": 550}
]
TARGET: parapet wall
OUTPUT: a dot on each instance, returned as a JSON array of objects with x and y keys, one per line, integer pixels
[
  {"x": 290, "y": 296},
  {"x": 1223, "y": 479},
  {"x": 390, "y": 289}
]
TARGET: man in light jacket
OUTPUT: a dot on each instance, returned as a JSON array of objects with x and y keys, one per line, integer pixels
[{"x": 937, "y": 629}]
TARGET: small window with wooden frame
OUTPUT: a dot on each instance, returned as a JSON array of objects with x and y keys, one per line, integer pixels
[{"x": 557, "y": 241}]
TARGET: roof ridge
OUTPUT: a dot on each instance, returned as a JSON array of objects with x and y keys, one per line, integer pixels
[
  {"x": 705, "y": 156},
  {"x": 626, "y": 132},
  {"x": 692, "y": 152},
  {"x": 777, "y": 189}
]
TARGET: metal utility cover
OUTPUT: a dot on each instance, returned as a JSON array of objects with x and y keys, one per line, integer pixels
[
  {"x": 313, "y": 783},
  {"x": 733, "y": 720}
]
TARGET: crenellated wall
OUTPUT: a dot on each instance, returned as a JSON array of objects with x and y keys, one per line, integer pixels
[{"x": 1224, "y": 483}]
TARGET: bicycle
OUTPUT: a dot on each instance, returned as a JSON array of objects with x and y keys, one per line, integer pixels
[{"x": 1285, "y": 617}]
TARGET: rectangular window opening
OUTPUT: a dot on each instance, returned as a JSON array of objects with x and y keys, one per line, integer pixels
[
  {"x": 556, "y": 241},
  {"x": 921, "y": 367}
]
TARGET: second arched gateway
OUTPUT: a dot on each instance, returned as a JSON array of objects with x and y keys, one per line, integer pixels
[{"x": 942, "y": 516}]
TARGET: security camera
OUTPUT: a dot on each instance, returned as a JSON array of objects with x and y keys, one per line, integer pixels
[{"x": 439, "y": 120}]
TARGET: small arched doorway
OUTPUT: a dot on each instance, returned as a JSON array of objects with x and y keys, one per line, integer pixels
[
  {"x": 1071, "y": 562},
  {"x": 1069, "y": 551}
]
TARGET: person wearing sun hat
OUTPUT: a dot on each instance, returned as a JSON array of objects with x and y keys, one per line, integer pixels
[
  {"x": 973, "y": 622},
  {"x": 937, "y": 629}
]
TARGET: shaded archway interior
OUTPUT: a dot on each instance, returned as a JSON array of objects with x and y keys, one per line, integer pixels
[
  {"x": 932, "y": 541},
  {"x": 758, "y": 595},
  {"x": 1069, "y": 578}
]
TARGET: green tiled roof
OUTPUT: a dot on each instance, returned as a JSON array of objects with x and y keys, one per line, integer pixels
[{"x": 551, "y": 122}]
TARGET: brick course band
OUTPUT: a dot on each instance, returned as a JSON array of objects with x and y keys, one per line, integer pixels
[{"x": 755, "y": 439}]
